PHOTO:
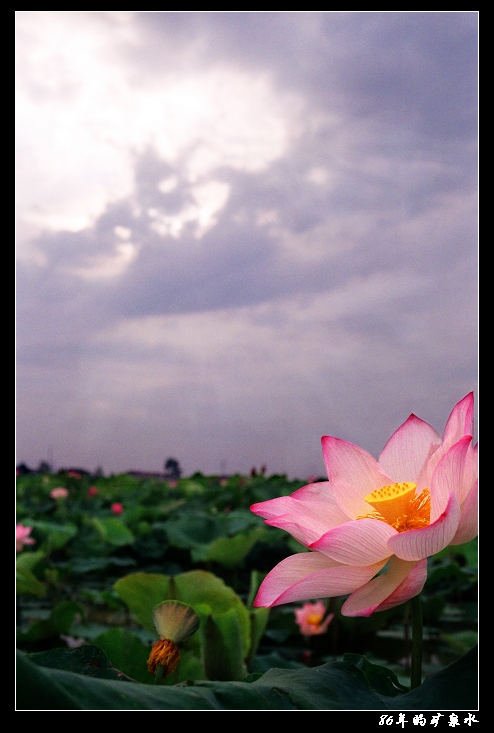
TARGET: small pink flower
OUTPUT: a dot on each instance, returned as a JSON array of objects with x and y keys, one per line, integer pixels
[
  {"x": 92, "y": 491},
  {"x": 310, "y": 618},
  {"x": 59, "y": 493},
  {"x": 73, "y": 642},
  {"x": 73, "y": 474},
  {"x": 22, "y": 537},
  {"x": 117, "y": 508}
]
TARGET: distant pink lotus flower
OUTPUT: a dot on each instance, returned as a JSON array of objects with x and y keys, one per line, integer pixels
[
  {"x": 92, "y": 491},
  {"x": 22, "y": 537},
  {"x": 59, "y": 493},
  {"x": 117, "y": 508},
  {"x": 375, "y": 516},
  {"x": 73, "y": 474},
  {"x": 310, "y": 618},
  {"x": 73, "y": 642}
]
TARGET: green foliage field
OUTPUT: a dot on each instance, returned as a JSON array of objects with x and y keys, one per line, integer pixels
[{"x": 87, "y": 587}]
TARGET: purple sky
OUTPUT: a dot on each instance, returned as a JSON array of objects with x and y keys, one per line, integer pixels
[{"x": 240, "y": 231}]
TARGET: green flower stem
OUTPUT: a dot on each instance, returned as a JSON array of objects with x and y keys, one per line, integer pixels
[
  {"x": 159, "y": 677},
  {"x": 417, "y": 636}
]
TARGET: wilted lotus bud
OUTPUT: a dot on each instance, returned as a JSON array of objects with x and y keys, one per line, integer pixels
[{"x": 174, "y": 622}]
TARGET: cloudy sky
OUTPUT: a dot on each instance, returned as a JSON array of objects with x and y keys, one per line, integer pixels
[{"x": 240, "y": 231}]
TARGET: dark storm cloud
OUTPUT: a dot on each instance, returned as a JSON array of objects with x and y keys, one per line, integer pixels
[
  {"x": 418, "y": 69},
  {"x": 237, "y": 262},
  {"x": 166, "y": 278}
]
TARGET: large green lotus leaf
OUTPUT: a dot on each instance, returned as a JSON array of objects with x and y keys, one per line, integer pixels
[
  {"x": 28, "y": 560},
  {"x": 40, "y": 688},
  {"x": 381, "y": 679},
  {"x": 242, "y": 520},
  {"x": 61, "y": 619},
  {"x": 188, "y": 531},
  {"x": 126, "y": 652},
  {"x": 453, "y": 688},
  {"x": 26, "y": 582},
  {"x": 114, "y": 531},
  {"x": 199, "y": 587},
  {"x": 81, "y": 565},
  {"x": 264, "y": 662},
  {"x": 87, "y": 660},
  {"x": 461, "y": 641},
  {"x": 332, "y": 686},
  {"x": 191, "y": 488},
  {"x": 222, "y": 647},
  {"x": 56, "y": 535},
  {"x": 166, "y": 507},
  {"x": 190, "y": 667},
  {"x": 142, "y": 592},
  {"x": 29, "y": 585},
  {"x": 258, "y": 622},
  {"x": 228, "y": 551}
]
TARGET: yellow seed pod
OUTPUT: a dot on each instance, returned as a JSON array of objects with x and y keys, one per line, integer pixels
[{"x": 164, "y": 653}]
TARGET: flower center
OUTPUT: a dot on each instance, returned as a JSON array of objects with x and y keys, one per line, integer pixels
[
  {"x": 314, "y": 619},
  {"x": 398, "y": 505}
]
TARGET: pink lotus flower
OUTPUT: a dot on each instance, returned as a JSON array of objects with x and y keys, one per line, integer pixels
[
  {"x": 92, "y": 491},
  {"x": 371, "y": 516},
  {"x": 73, "y": 642},
  {"x": 22, "y": 537},
  {"x": 117, "y": 508},
  {"x": 59, "y": 493},
  {"x": 310, "y": 619}
]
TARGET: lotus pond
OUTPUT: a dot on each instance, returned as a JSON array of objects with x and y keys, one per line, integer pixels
[{"x": 103, "y": 553}]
